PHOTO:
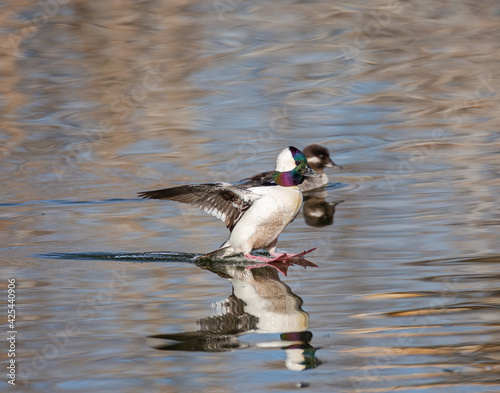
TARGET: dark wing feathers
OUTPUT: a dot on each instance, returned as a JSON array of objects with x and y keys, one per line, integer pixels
[
  {"x": 261, "y": 179},
  {"x": 222, "y": 200}
]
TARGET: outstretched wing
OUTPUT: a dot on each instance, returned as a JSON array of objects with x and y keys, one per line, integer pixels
[{"x": 222, "y": 200}]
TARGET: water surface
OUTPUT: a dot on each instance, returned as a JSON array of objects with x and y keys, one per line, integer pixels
[{"x": 100, "y": 101}]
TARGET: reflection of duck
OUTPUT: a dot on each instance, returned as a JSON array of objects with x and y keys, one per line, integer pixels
[
  {"x": 255, "y": 216},
  {"x": 260, "y": 303},
  {"x": 318, "y": 212},
  {"x": 318, "y": 158}
]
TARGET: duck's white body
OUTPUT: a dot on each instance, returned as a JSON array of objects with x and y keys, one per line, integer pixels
[{"x": 263, "y": 222}]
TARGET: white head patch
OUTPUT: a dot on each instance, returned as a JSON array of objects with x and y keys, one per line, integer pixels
[
  {"x": 314, "y": 160},
  {"x": 285, "y": 161}
]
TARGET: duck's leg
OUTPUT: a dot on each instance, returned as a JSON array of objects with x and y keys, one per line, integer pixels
[
  {"x": 271, "y": 249},
  {"x": 276, "y": 261}
]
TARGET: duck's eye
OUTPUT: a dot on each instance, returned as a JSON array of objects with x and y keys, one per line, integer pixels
[{"x": 297, "y": 162}]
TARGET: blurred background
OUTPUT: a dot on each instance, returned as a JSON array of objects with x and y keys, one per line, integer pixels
[{"x": 101, "y": 100}]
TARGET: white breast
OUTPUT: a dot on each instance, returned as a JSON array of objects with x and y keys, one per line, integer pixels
[{"x": 266, "y": 218}]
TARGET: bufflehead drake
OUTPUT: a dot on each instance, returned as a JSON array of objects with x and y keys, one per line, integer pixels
[
  {"x": 255, "y": 216},
  {"x": 318, "y": 158}
]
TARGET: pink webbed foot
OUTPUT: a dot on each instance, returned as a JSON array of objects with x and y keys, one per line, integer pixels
[
  {"x": 277, "y": 255},
  {"x": 282, "y": 262}
]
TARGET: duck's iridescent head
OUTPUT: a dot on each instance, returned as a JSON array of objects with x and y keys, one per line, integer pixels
[{"x": 292, "y": 168}]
